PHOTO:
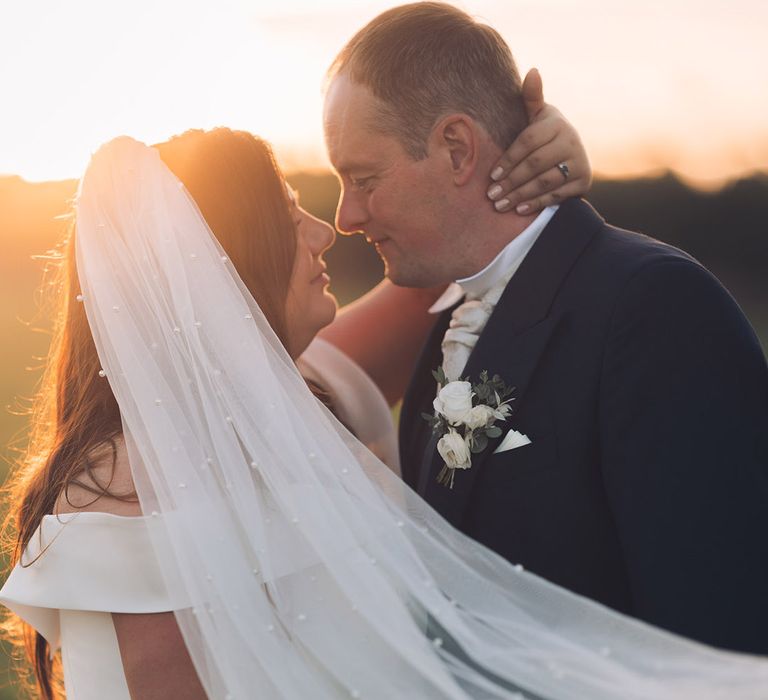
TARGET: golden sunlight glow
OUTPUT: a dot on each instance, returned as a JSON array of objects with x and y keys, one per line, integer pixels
[{"x": 650, "y": 84}]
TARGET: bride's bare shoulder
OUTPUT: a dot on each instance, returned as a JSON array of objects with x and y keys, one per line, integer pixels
[{"x": 105, "y": 486}]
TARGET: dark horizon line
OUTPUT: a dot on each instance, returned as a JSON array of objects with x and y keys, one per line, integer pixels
[{"x": 661, "y": 174}]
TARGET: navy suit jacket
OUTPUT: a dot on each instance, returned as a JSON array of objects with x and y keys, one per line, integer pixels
[{"x": 644, "y": 391}]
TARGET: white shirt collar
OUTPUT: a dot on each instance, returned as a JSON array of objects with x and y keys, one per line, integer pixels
[{"x": 504, "y": 264}]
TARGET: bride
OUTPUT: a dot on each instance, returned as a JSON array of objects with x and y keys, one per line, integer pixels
[{"x": 296, "y": 564}]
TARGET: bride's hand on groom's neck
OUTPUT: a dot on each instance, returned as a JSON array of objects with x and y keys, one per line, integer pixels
[{"x": 545, "y": 164}]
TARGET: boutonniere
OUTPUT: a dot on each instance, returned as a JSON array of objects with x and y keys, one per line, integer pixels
[{"x": 465, "y": 418}]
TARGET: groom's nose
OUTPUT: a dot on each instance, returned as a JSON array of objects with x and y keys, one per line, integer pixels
[{"x": 351, "y": 213}]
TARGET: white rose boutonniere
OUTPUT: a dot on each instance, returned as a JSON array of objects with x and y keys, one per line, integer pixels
[
  {"x": 454, "y": 401},
  {"x": 454, "y": 450},
  {"x": 480, "y": 416},
  {"x": 465, "y": 418}
]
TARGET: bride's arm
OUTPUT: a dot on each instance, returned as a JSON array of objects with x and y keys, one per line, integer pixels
[
  {"x": 384, "y": 330},
  {"x": 155, "y": 659}
]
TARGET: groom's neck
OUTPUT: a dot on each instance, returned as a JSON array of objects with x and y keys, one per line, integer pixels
[{"x": 489, "y": 234}]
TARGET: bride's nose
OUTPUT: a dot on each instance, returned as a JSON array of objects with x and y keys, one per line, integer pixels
[{"x": 321, "y": 236}]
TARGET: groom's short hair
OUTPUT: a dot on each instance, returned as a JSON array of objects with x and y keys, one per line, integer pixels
[{"x": 429, "y": 59}]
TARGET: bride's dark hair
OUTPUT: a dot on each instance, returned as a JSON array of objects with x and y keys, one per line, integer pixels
[{"x": 233, "y": 177}]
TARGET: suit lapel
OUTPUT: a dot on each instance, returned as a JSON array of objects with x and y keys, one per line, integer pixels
[{"x": 517, "y": 334}]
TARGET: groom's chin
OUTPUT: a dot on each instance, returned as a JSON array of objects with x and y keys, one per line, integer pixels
[
  {"x": 397, "y": 278},
  {"x": 410, "y": 276}
]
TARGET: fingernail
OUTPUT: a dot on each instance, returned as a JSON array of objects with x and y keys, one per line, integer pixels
[
  {"x": 497, "y": 173},
  {"x": 501, "y": 204},
  {"x": 494, "y": 191},
  {"x": 523, "y": 208}
]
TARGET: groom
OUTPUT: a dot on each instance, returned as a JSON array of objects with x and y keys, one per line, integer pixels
[{"x": 638, "y": 472}]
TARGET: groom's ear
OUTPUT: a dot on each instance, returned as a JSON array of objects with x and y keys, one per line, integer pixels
[{"x": 455, "y": 136}]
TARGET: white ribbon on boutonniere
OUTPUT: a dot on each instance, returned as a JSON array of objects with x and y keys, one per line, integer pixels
[{"x": 465, "y": 419}]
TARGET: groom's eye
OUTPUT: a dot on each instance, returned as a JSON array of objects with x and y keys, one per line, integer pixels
[{"x": 360, "y": 183}]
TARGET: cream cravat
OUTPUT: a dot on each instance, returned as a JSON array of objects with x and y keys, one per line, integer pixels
[
  {"x": 469, "y": 319},
  {"x": 467, "y": 323}
]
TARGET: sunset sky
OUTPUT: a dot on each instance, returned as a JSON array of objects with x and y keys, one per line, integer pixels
[{"x": 650, "y": 84}]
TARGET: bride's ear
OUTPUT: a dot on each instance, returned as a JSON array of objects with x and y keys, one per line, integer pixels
[{"x": 456, "y": 137}]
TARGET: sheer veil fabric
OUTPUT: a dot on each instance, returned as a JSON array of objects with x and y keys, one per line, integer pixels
[{"x": 310, "y": 569}]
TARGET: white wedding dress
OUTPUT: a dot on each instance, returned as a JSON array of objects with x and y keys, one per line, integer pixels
[{"x": 89, "y": 565}]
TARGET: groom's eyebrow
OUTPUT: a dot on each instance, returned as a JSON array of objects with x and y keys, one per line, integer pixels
[
  {"x": 353, "y": 163},
  {"x": 346, "y": 169},
  {"x": 342, "y": 169}
]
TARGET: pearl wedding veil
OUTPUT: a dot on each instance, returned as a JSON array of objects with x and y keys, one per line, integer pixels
[{"x": 310, "y": 570}]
